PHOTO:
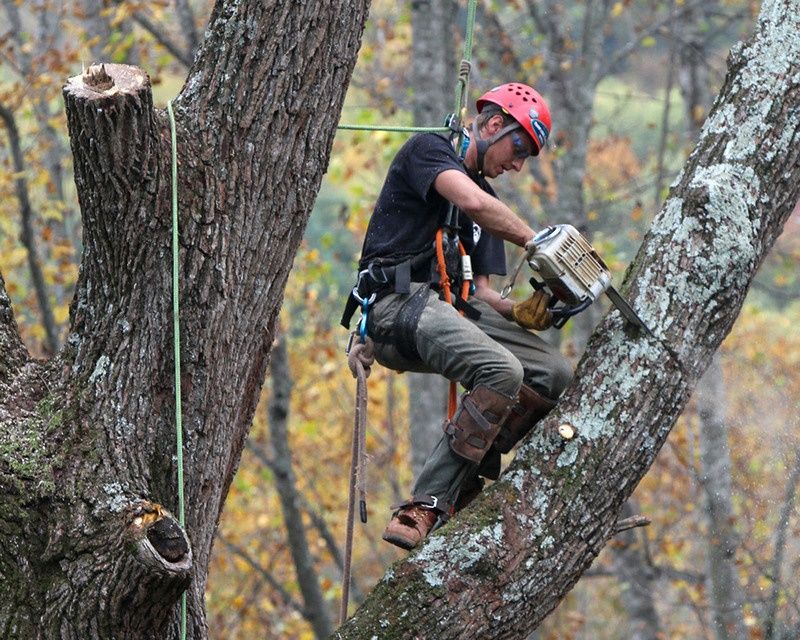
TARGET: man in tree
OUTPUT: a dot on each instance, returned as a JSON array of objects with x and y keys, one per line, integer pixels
[{"x": 437, "y": 223}]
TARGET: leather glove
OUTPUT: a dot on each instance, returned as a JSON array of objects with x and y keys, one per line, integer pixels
[{"x": 533, "y": 312}]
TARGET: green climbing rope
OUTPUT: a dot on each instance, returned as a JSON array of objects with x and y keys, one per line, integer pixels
[
  {"x": 176, "y": 333},
  {"x": 463, "y": 76}
]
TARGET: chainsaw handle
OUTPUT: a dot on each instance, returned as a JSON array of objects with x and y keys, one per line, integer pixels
[{"x": 561, "y": 314}]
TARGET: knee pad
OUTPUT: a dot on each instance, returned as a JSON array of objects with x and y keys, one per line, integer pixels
[
  {"x": 528, "y": 410},
  {"x": 477, "y": 421}
]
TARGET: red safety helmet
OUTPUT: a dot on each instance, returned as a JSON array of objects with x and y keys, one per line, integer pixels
[{"x": 526, "y": 106}]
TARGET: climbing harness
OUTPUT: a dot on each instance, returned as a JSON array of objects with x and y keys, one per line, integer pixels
[{"x": 176, "y": 332}]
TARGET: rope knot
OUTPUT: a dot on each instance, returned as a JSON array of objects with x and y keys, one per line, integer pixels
[{"x": 361, "y": 353}]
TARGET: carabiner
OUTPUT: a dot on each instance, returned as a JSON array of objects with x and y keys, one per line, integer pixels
[{"x": 362, "y": 323}]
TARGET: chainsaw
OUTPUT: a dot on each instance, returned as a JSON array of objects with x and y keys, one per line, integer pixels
[{"x": 572, "y": 272}]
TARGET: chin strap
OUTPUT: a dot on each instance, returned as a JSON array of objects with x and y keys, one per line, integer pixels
[{"x": 482, "y": 145}]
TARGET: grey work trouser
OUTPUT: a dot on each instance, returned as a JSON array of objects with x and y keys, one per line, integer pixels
[{"x": 489, "y": 351}]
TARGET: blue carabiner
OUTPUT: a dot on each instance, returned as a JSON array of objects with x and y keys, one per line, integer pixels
[{"x": 362, "y": 323}]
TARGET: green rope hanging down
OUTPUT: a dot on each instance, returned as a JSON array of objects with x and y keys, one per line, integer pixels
[{"x": 176, "y": 332}]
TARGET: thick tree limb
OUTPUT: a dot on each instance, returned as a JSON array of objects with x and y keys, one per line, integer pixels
[
  {"x": 90, "y": 436},
  {"x": 497, "y": 570}
]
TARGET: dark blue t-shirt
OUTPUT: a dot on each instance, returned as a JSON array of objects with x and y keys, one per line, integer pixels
[{"x": 409, "y": 210}]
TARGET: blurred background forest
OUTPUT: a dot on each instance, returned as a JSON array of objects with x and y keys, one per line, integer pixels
[{"x": 630, "y": 84}]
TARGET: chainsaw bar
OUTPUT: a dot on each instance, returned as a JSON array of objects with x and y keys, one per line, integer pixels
[{"x": 625, "y": 309}]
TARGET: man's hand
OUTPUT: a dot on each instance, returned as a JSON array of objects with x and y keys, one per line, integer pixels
[{"x": 533, "y": 312}]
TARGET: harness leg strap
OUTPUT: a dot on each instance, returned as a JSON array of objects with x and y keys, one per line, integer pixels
[
  {"x": 528, "y": 410},
  {"x": 477, "y": 422}
]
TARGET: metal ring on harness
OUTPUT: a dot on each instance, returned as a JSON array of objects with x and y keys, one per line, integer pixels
[{"x": 370, "y": 271}]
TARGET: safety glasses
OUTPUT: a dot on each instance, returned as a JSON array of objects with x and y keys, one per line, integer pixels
[{"x": 522, "y": 148}]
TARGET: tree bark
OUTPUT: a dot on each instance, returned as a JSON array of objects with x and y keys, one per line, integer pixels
[
  {"x": 88, "y": 547},
  {"x": 315, "y": 609},
  {"x": 497, "y": 569}
]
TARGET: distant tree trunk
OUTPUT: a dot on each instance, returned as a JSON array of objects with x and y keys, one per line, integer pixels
[
  {"x": 573, "y": 67},
  {"x": 47, "y": 37},
  {"x": 315, "y": 609},
  {"x": 727, "y": 597},
  {"x": 28, "y": 234},
  {"x": 88, "y": 546},
  {"x": 497, "y": 569},
  {"x": 188, "y": 27},
  {"x": 637, "y": 578},
  {"x": 99, "y": 24},
  {"x": 664, "y": 133},
  {"x": 434, "y": 70},
  {"x": 434, "y": 73},
  {"x": 772, "y": 625}
]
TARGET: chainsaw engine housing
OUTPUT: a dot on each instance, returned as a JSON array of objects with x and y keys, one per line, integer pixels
[{"x": 569, "y": 266}]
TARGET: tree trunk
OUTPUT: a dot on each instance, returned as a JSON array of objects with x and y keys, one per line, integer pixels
[
  {"x": 727, "y": 598},
  {"x": 433, "y": 73},
  {"x": 772, "y": 626},
  {"x": 315, "y": 609},
  {"x": 497, "y": 569},
  {"x": 28, "y": 235},
  {"x": 637, "y": 578},
  {"x": 88, "y": 547}
]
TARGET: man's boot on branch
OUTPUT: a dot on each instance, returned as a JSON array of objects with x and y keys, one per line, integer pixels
[{"x": 412, "y": 522}]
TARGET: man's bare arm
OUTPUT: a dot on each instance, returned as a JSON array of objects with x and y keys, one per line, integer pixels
[
  {"x": 491, "y": 297},
  {"x": 484, "y": 209}
]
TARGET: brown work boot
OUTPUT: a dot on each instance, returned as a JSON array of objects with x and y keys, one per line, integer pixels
[{"x": 409, "y": 525}]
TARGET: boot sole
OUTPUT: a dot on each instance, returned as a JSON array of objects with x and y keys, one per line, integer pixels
[{"x": 403, "y": 543}]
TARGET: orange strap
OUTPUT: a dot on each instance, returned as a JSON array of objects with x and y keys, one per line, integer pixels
[{"x": 444, "y": 282}]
